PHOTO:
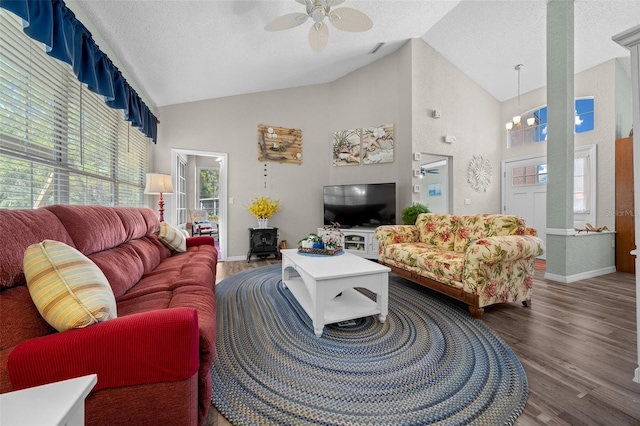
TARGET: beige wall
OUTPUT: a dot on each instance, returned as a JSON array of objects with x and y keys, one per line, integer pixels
[
  {"x": 367, "y": 97},
  {"x": 402, "y": 88},
  {"x": 468, "y": 112}
]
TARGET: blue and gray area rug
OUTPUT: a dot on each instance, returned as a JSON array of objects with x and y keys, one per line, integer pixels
[{"x": 429, "y": 363}]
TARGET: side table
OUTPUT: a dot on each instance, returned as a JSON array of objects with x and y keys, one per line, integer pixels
[
  {"x": 60, "y": 403},
  {"x": 263, "y": 242}
]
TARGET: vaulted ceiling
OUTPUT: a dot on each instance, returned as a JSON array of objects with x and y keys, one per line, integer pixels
[{"x": 189, "y": 50}]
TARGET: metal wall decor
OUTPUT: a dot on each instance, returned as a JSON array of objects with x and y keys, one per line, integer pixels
[{"x": 479, "y": 173}]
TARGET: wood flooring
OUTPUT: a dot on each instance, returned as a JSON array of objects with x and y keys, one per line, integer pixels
[{"x": 577, "y": 344}]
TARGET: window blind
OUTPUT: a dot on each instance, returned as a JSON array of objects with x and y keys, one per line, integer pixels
[{"x": 59, "y": 142}]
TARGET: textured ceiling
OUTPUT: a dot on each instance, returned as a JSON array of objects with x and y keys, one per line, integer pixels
[{"x": 186, "y": 50}]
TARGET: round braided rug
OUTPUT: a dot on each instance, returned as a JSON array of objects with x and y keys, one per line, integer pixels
[{"x": 429, "y": 363}]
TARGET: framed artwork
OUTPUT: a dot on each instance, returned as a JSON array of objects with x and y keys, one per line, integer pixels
[
  {"x": 377, "y": 144},
  {"x": 368, "y": 145},
  {"x": 435, "y": 189},
  {"x": 346, "y": 147},
  {"x": 279, "y": 144}
]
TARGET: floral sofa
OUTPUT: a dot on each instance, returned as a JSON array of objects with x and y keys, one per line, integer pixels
[
  {"x": 153, "y": 355},
  {"x": 477, "y": 259}
]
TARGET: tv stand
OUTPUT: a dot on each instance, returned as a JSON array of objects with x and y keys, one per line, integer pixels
[{"x": 359, "y": 241}]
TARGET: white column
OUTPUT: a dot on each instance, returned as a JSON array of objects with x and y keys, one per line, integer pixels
[{"x": 631, "y": 40}]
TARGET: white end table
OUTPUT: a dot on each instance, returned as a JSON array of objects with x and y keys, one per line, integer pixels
[
  {"x": 59, "y": 403},
  {"x": 322, "y": 278}
]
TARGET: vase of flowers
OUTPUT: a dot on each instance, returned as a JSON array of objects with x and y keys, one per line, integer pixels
[
  {"x": 262, "y": 208},
  {"x": 331, "y": 241}
]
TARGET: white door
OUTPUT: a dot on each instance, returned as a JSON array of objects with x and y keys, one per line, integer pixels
[{"x": 525, "y": 192}]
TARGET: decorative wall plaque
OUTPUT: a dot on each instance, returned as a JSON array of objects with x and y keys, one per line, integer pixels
[
  {"x": 479, "y": 173},
  {"x": 279, "y": 144}
]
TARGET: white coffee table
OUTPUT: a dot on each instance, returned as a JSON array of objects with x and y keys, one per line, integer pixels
[
  {"x": 322, "y": 278},
  {"x": 59, "y": 403}
]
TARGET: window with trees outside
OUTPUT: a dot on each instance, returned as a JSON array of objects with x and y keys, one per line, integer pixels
[
  {"x": 59, "y": 142},
  {"x": 209, "y": 191}
]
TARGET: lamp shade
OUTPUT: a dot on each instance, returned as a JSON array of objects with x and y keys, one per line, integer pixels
[{"x": 158, "y": 183}]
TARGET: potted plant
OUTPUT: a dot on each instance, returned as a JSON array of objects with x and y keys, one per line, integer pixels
[
  {"x": 311, "y": 241},
  {"x": 262, "y": 208},
  {"x": 410, "y": 214}
]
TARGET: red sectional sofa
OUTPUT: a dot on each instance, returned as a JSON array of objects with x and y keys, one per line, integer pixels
[{"x": 153, "y": 361}]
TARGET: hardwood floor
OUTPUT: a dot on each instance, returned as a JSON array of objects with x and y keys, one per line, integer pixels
[{"x": 577, "y": 344}]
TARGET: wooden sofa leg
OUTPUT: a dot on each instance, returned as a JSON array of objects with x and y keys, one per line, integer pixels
[
  {"x": 475, "y": 311},
  {"x": 526, "y": 303}
]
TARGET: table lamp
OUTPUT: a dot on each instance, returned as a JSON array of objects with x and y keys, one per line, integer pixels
[{"x": 158, "y": 183}]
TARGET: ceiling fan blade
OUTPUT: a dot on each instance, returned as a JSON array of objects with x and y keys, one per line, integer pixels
[
  {"x": 318, "y": 36},
  {"x": 348, "y": 19},
  {"x": 285, "y": 22}
]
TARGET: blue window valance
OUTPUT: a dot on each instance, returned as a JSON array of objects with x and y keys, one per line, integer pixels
[{"x": 67, "y": 39}]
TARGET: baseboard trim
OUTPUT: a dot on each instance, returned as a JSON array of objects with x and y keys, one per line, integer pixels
[
  {"x": 234, "y": 258},
  {"x": 581, "y": 276},
  {"x": 560, "y": 231}
]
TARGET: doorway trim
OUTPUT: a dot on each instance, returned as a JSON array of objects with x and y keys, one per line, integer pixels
[{"x": 224, "y": 182}]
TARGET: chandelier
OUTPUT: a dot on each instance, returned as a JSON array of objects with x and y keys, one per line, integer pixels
[{"x": 518, "y": 118}]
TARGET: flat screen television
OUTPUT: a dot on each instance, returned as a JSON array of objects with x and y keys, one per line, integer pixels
[{"x": 360, "y": 205}]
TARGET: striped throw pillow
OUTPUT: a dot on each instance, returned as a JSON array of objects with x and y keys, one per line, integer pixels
[
  {"x": 172, "y": 237},
  {"x": 68, "y": 289}
]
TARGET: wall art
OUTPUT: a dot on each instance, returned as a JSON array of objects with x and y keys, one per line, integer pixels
[
  {"x": 279, "y": 144},
  {"x": 479, "y": 173},
  {"x": 346, "y": 147},
  {"x": 435, "y": 190},
  {"x": 377, "y": 144},
  {"x": 368, "y": 145}
]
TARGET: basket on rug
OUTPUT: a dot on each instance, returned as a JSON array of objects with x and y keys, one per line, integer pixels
[{"x": 430, "y": 362}]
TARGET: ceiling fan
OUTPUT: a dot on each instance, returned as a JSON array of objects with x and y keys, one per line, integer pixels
[{"x": 343, "y": 18}]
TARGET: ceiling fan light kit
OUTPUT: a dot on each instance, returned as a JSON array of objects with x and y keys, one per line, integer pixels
[{"x": 342, "y": 18}]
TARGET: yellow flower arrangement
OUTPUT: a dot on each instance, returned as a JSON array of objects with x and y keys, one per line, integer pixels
[{"x": 263, "y": 207}]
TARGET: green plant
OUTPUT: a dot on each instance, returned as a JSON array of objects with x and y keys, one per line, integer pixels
[
  {"x": 312, "y": 237},
  {"x": 410, "y": 214}
]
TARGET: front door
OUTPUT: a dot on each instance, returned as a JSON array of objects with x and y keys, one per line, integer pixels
[{"x": 525, "y": 187}]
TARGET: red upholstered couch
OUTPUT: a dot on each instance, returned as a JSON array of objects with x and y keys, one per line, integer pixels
[{"x": 153, "y": 361}]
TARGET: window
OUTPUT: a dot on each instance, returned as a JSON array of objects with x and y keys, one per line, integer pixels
[
  {"x": 533, "y": 124},
  {"x": 209, "y": 191},
  {"x": 530, "y": 175},
  {"x": 59, "y": 142}
]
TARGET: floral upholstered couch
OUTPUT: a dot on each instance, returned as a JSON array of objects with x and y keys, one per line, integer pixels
[{"x": 478, "y": 259}]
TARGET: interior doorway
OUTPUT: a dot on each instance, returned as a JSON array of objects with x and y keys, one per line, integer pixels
[
  {"x": 435, "y": 183},
  {"x": 215, "y": 165}
]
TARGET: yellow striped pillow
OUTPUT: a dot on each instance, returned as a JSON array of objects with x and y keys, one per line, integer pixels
[
  {"x": 172, "y": 237},
  {"x": 68, "y": 289}
]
